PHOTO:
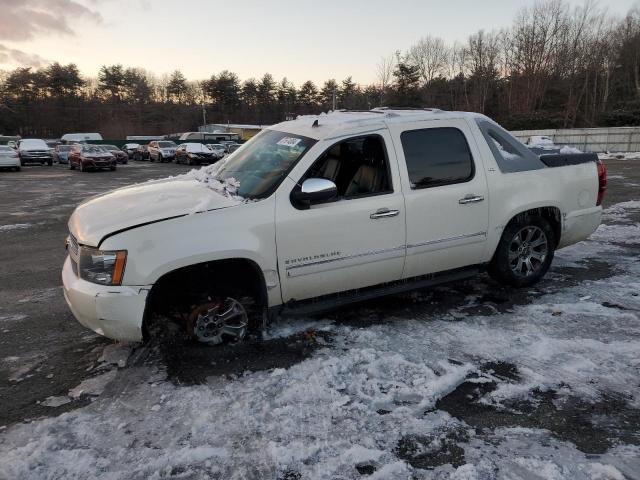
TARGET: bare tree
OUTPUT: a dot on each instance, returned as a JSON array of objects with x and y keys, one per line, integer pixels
[
  {"x": 384, "y": 73},
  {"x": 430, "y": 55}
]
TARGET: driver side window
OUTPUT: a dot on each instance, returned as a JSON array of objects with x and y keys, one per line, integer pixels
[{"x": 358, "y": 166}]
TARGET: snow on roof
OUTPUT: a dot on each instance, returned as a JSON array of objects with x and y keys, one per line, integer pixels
[
  {"x": 330, "y": 123},
  {"x": 236, "y": 125}
]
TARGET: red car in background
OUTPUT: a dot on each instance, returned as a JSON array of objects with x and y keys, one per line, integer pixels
[{"x": 85, "y": 157}]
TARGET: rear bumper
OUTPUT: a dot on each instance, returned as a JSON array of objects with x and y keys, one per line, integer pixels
[
  {"x": 578, "y": 225},
  {"x": 115, "y": 312}
]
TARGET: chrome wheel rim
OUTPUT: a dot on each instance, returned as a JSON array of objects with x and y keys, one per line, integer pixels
[
  {"x": 528, "y": 251},
  {"x": 214, "y": 321}
]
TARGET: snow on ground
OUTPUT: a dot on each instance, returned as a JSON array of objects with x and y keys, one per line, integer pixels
[
  {"x": 392, "y": 400},
  {"x": 15, "y": 226},
  {"x": 619, "y": 156}
]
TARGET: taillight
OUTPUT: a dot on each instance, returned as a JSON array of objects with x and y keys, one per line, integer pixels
[{"x": 602, "y": 181}]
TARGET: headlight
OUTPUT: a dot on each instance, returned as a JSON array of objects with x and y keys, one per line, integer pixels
[{"x": 102, "y": 267}]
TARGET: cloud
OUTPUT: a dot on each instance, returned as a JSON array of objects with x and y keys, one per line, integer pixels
[
  {"x": 15, "y": 56},
  {"x": 23, "y": 20}
]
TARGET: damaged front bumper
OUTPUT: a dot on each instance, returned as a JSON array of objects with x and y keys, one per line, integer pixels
[{"x": 115, "y": 312}]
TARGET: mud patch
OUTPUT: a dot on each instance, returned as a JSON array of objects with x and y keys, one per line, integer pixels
[
  {"x": 430, "y": 451},
  {"x": 593, "y": 428},
  {"x": 191, "y": 363}
]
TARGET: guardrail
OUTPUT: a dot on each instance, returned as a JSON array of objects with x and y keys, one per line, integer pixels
[{"x": 596, "y": 140}]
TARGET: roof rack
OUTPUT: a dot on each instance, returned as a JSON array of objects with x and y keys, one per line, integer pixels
[{"x": 416, "y": 109}]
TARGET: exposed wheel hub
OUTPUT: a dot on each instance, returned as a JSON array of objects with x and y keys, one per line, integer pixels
[{"x": 210, "y": 322}]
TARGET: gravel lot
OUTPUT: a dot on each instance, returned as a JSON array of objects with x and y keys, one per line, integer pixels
[{"x": 467, "y": 381}]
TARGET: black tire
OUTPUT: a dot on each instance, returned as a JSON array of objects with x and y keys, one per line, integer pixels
[
  {"x": 524, "y": 253},
  {"x": 112, "y": 168},
  {"x": 17, "y": 169},
  {"x": 50, "y": 163}
]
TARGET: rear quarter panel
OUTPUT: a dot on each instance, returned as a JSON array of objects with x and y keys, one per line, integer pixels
[{"x": 572, "y": 189}]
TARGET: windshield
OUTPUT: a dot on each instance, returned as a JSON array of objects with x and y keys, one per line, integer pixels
[
  {"x": 33, "y": 143},
  {"x": 166, "y": 144},
  {"x": 64, "y": 148},
  {"x": 93, "y": 149},
  {"x": 264, "y": 161}
]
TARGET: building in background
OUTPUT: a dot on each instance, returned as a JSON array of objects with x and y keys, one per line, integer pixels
[{"x": 245, "y": 132}]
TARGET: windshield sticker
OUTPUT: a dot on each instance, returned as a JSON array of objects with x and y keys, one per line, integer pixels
[{"x": 289, "y": 141}]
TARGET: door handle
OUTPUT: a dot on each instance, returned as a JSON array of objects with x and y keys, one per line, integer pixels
[
  {"x": 384, "y": 213},
  {"x": 471, "y": 198}
]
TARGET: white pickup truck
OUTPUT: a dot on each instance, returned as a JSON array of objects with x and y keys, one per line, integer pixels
[{"x": 324, "y": 210}]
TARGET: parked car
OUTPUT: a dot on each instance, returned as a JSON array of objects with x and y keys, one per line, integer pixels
[
  {"x": 85, "y": 156},
  {"x": 9, "y": 158},
  {"x": 61, "y": 153},
  {"x": 359, "y": 204},
  {"x": 130, "y": 149},
  {"x": 228, "y": 145},
  {"x": 232, "y": 148},
  {"x": 141, "y": 153},
  {"x": 121, "y": 157},
  {"x": 195, "y": 154},
  {"x": 162, "y": 150},
  {"x": 218, "y": 149},
  {"x": 34, "y": 150}
]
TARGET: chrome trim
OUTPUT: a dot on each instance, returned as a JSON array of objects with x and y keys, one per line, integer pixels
[
  {"x": 384, "y": 213},
  {"x": 316, "y": 267},
  {"x": 448, "y": 239},
  {"x": 471, "y": 199}
]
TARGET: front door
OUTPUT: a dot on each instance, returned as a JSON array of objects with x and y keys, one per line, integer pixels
[{"x": 356, "y": 241}]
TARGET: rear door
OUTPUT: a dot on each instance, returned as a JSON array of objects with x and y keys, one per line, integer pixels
[{"x": 446, "y": 196}]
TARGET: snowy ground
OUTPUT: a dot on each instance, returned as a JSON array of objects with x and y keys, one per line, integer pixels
[{"x": 472, "y": 381}]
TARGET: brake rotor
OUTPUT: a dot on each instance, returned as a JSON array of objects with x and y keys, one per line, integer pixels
[{"x": 213, "y": 322}]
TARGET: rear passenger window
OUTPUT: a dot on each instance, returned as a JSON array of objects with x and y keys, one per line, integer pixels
[{"x": 437, "y": 156}]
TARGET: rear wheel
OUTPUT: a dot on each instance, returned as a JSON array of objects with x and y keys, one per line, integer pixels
[
  {"x": 112, "y": 168},
  {"x": 50, "y": 163},
  {"x": 524, "y": 253},
  {"x": 17, "y": 169}
]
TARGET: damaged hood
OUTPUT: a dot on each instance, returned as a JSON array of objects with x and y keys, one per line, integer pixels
[{"x": 137, "y": 205}]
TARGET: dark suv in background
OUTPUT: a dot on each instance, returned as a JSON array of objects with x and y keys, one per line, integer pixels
[
  {"x": 141, "y": 153},
  {"x": 161, "y": 150}
]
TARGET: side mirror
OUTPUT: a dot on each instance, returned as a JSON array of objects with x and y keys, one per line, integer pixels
[{"x": 313, "y": 191}]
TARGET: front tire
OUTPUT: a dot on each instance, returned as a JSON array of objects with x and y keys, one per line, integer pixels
[{"x": 525, "y": 252}]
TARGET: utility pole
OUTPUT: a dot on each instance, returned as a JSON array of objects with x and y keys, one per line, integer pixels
[
  {"x": 204, "y": 116},
  {"x": 334, "y": 100}
]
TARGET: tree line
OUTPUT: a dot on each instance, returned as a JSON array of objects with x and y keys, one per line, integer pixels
[{"x": 556, "y": 66}]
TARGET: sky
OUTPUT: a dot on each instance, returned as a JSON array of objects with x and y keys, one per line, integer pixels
[{"x": 300, "y": 39}]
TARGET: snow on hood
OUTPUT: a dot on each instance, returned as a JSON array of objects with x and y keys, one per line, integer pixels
[{"x": 156, "y": 200}]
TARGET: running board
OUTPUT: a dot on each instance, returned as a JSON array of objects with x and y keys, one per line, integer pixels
[{"x": 335, "y": 301}]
